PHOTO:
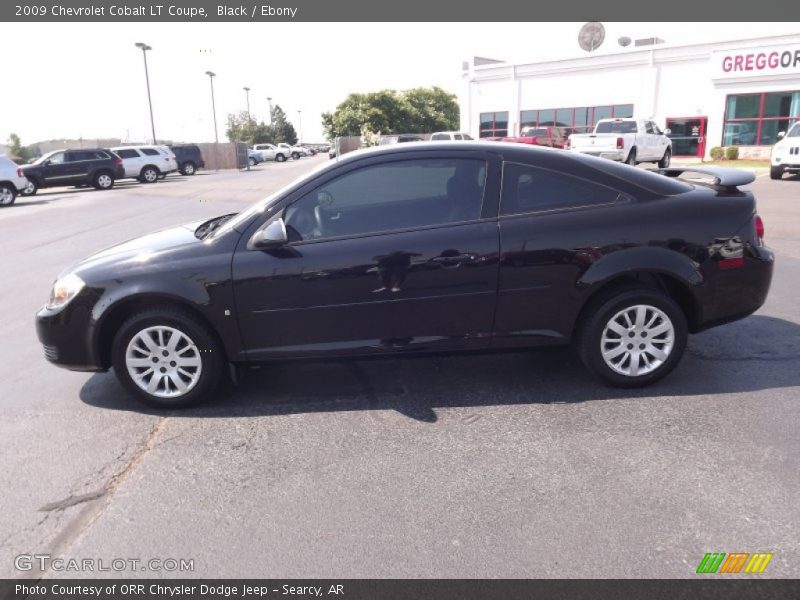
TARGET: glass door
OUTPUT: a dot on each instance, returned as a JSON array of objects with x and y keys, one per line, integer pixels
[{"x": 688, "y": 136}]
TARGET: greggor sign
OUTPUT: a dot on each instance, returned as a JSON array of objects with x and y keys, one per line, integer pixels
[{"x": 756, "y": 62}]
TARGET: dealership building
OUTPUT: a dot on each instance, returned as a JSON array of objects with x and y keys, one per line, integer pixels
[{"x": 733, "y": 93}]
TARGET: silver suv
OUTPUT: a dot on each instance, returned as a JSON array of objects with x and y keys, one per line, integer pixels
[{"x": 12, "y": 181}]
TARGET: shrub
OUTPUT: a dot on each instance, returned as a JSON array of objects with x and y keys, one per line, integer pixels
[
  {"x": 717, "y": 153},
  {"x": 732, "y": 153}
]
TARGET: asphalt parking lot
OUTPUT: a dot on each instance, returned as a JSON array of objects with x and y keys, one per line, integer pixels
[{"x": 515, "y": 465}]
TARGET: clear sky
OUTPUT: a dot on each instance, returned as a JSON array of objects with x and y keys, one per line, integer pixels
[{"x": 87, "y": 80}]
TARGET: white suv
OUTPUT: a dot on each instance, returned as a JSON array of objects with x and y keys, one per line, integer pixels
[
  {"x": 441, "y": 136},
  {"x": 146, "y": 163},
  {"x": 12, "y": 181},
  {"x": 786, "y": 153},
  {"x": 271, "y": 152}
]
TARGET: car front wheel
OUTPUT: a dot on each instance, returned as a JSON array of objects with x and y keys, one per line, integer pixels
[
  {"x": 280, "y": 158},
  {"x": 775, "y": 172},
  {"x": 149, "y": 175},
  {"x": 665, "y": 160},
  {"x": 167, "y": 358},
  {"x": 188, "y": 168},
  {"x": 633, "y": 337}
]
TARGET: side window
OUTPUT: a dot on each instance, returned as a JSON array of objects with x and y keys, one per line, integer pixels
[
  {"x": 127, "y": 153},
  {"x": 529, "y": 189},
  {"x": 99, "y": 154},
  {"x": 150, "y": 151},
  {"x": 403, "y": 194},
  {"x": 57, "y": 158},
  {"x": 648, "y": 127},
  {"x": 78, "y": 155}
]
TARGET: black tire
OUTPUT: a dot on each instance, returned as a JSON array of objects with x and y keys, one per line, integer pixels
[
  {"x": 8, "y": 194},
  {"x": 205, "y": 344},
  {"x": 31, "y": 188},
  {"x": 665, "y": 160},
  {"x": 149, "y": 174},
  {"x": 188, "y": 168},
  {"x": 631, "y": 160},
  {"x": 599, "y": 315},
  {"x": 295, "y": 155},
  {"x": 253, "y": 162},
  {"x": 103, "y": 180},
  {"x": 775, "y": 172},
  {"x": 280, "y": 158}
]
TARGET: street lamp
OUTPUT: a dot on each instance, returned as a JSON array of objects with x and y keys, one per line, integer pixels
[
  {"x": 247, "y": 93},
  {"x": 211, "y": 76},
  {"x": 144, "y": 48},
  {"x": 269, "y": 102},
  {"x": 299, "y": 126}
]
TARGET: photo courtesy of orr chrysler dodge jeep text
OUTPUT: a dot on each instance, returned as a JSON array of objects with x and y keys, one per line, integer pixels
[{"x": 423, "y": 248}]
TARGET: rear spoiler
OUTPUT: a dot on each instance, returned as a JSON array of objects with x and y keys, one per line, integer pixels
[{"x": 723, "y": 176}]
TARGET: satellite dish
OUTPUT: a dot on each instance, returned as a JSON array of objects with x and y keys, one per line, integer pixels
[
  {"x": 591, "y": 36},
  {"x": 624, "y": 41}
]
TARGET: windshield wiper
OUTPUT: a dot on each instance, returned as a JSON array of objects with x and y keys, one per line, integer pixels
[{"x": 205, "y": 229}]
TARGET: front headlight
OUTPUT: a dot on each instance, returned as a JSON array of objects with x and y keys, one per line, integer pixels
[{"x": 64, "y": 290}]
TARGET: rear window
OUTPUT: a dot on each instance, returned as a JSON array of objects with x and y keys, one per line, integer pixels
[
  {"x": 440, "y": 136},
  {"x": 616, "y": 127},
  {"x": 658, "y": 184}
]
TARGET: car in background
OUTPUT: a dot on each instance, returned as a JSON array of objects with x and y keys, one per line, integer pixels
[
  {"x": 553, "y": 137},
  {"x": 625, "y": 140},
  {"x": 146, "y": 163},
  {"x": 98, "y": 167},
  {"x": 785, "y": 157},
  {"x": 424, "y": 249},
  {"x": 400, "y": 138},
  {"x": 12, "y": 181},
  {"x": 272, "y": 152},
  {"x": 254, "y": 157},
  {"x": 443, "y": 136},
  {"x": 189, "y": 158},
  {"x": 294, "y": 151}
]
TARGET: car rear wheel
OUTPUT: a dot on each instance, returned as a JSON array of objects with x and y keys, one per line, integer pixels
[
  {"x": 280, "y": 157},
  {"x": 633, "y": 337},
  {"x": 632, "y": 158},
  {"x": 31, "y": 188},
  {"x": 149, "y": 175},
  {"x": 167, "y": 358},
  {"x": 188, "y": 168},
  {"x": 8, "y": 193},
  {"x": 665, "y": 160},
  {"x": 295, "y": 155},
  {"x": 253, "y": 162},
  {"x": 775, "y": 172},
  {"x": 103, "y": 181}
]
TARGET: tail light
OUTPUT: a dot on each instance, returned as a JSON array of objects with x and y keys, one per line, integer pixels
[
  {"x": 117, "y": 161},
  {"x": 759, "y": 228},
  {"x": 20, "y": 173},
  {"x": 620, "y": 143}
]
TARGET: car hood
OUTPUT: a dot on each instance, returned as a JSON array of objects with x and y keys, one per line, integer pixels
[{"x": 144, "y": 249}]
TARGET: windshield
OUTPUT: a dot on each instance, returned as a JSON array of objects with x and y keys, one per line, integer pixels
[
  {"x": 794, "y": 131},
  {"x": 616, "y": 127},
  {"x": 534, "y": 131},
  {"x": 262, "y": 205}
]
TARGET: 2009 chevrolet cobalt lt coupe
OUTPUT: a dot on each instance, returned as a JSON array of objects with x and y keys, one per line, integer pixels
[{"x": 422, "y": 248}]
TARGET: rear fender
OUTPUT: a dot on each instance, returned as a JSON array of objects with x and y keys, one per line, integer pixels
[{"x": 649, "y": 258}]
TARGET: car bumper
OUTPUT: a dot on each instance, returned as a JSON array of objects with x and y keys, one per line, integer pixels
[
  {"x": 20, "y": 183},
  {"x": 67, "y": 337},
  {"x": 788, "y": 167},
  {"x": 618, "y": 155}
]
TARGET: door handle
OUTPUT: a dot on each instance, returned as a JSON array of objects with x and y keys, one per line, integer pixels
[{"x": 454, "y": 261}]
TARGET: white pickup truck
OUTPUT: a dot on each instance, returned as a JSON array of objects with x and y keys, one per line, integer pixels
[
  {"x": 271, "y": 152},
  {"x": 627, "y": 140}
]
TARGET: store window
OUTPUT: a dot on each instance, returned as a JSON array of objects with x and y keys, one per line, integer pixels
[
  {"x": 494, "y": 124},
  {"x": 580, "y": 119},
  {"x": 756, "y": 119}
]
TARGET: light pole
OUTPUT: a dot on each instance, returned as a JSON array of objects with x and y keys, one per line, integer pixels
[
  {"x": 299, "y": 126},
  {"x": 144, "y": 48},
  {"x": 247, "y": 94},
  {"x": 211, "y": 76},
  {"x": 269, "y": 102}
]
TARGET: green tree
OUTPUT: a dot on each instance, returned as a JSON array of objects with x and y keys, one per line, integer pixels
[
  {"x": 419, "y": 110},
  {"x": 243, "y": 128},
  {"x": 17, "y": 150},
  {"x": 282, "y": 129}
]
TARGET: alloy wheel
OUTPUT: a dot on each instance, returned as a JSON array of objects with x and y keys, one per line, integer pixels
[
  {"x": 6, "y": 196},
  {"x": 637, "y": 340},
  {"x": 163, "y": 361}
]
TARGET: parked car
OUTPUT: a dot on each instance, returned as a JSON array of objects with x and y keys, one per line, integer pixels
[
  {"x": 98, "y": 167},
  {"x": 294, "y": 151},
  {"x": 422, "y": 248},
  {"x": 785, "y": 157},
  {"x": 540, "y": 136},
  {"x": 189, "y": 158},
  {"x": 272, "y": 152},
  {"x": 399, "y": 139},
  {"x": 442, "y": 136},
  {"x": 146, "y": 163},
  {"x": 254, "y": 157},
  {"x": 12, "y": 181},
  {"x": 627, "y": 140}
]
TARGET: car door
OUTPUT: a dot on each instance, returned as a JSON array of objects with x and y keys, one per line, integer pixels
[
  {"x": 651, "y": 139},
  {"x": 385, "y": 255},
  {"x": 131, "y": 160},
  {"x": 77, "y": 165},
  {"x": 55, "y": 170}
]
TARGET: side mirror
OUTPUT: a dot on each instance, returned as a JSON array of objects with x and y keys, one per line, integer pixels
[
  {"x": 781, "y": 135},
  {"x": 47, "y": 163},
  {"x": 667, "y": 131},
  {"x": 272, "y": 236}
]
